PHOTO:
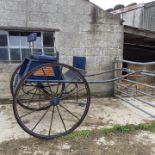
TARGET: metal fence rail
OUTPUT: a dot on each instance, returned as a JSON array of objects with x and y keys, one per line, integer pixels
[{"x": 138, "y": 90}]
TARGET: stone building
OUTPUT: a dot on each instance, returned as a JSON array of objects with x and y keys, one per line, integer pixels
[{"x": 85, "y": 30}]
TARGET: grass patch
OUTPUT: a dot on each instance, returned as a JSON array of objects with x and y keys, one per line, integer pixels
[{"x": 115, "y": 129}]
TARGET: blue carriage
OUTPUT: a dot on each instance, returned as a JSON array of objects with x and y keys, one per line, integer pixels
[{"x": 50, "y": 99}]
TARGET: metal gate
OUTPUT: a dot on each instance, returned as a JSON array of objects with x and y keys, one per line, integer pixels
[{"x": 137, "y": 89}]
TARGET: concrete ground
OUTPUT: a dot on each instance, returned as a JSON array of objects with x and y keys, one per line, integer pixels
[{"x": 103, "y": 113}]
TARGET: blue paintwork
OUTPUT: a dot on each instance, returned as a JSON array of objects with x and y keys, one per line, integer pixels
[
  {"x": 37, "y": 60},
  {"x": 79, "y": 62},
  {"x": 44, "y": 58},
  {"x": 32, "y": 37},
  {"x": 55, "y": 101},
  {"x": 33, "y": 62}
]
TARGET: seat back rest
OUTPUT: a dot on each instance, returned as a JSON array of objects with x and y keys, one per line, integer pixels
[
  {"x": 44, "y": 58},
  {"x": 80, "y": 63}
]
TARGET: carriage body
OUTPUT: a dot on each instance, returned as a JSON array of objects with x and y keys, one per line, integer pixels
[
  {"x": 43, "y": 85},
  {"x": 39, "y": 76}
]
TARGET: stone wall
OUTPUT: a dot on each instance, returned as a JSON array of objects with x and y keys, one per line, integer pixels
[
  {"x": 85, "y": 30},
  {"x": 6, "y": 71}
]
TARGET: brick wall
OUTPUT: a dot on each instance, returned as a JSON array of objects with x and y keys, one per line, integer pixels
[{"x": 86, "y": 30}]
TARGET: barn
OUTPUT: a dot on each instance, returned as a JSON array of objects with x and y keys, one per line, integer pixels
[
  {"x": 74, "y": 27},
  {"x": 139, "y": 31},
  {"x": 139, "y": 40}
]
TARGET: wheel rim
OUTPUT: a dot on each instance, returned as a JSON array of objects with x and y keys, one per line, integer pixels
[
  {"x": 13, "y": 79},
  {"x": 62, "y": 105}
]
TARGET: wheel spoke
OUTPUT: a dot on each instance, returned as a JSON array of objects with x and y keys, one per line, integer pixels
[
  {"x": 39, "y": 99},
  {"x": 29, "y": 91},
  {"x": 32, "y": 97},
  {"x": 57, "y": 89},
  {"x": 70, "y": 102},
  {"x": 69, "y": 84},
  {"x": 70, "y": 91},
  {"x": 58, "y": 85},
  {"x": 52, "y": 116},
  {"x": 28, "y": 113},
  {"x": 44, "y": 92},
  {"x": 47, "y": 81},
  {"x": 69, "y": 111},
  {"x": 47, "y": 91},
  {"x": 40, "y": 119},
  {"x": 78, "y": 103},
  {"x": 61, "y": 118},
  {"x": 33, "y": 100},
  {"x": 21, "y": 95},
  {"x": 63, "y": 97},
  {"x": 29, "y": 100},
  {"x": 29, "y": 84}
]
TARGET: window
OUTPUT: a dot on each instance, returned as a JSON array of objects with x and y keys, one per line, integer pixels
[
  {"x": 48, "y": 41},
  {"x": 15, "y": 48},
  {"x": 3, "y": 40}
]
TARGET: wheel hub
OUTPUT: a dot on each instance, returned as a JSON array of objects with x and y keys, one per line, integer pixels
[{"x": 54, "y": 101}]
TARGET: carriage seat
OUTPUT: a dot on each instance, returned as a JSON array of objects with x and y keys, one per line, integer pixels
[
  {"x": 44, "y": 58},
  {"x": 79, "y": 62}
]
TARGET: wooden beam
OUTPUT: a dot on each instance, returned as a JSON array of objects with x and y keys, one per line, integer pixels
[
  {"x": 139, "y": 32},
  {"x": 29, "y": 29}
]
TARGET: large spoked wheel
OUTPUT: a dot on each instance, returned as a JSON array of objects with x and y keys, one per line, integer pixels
[{"x": 60, "y": 105}]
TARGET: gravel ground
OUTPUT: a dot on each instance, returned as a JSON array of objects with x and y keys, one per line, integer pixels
[{"x": 103, "y": 113}]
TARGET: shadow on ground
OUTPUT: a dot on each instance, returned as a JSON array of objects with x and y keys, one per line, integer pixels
[{"x": 111, "y": 144}]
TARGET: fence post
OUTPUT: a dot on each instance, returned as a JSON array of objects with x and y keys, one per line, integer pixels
[{"x": 114, "y": 74}]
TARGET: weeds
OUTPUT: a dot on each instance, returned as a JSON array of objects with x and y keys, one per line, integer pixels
[{"x": 130, "y": 128}]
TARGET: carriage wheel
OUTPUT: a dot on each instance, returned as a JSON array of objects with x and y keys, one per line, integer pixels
[{"x": 60, "y": 106}]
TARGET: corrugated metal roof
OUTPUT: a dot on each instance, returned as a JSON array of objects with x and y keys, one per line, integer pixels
[
  {"x": 130, "y": 8},
  {"x": 127, "y": 9},
  {"x": 141, "y": 15},
  {"x": 150, "y": 4}
]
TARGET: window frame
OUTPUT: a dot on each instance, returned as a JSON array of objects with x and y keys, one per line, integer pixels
[
  {"x": 20, "y": 47},
  {"x": 5, "y": 33}
]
